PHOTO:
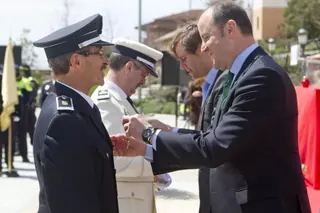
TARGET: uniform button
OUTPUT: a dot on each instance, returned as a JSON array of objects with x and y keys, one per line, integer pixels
[
  {"x": 107, "y": 155},
  {"x": 132, "y": 194}
]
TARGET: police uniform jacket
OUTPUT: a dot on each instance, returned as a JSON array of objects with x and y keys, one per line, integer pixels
[
  {"x": 73, "y": 156},
  {"x": 113, "y": 104},
  {"x": 46, "y": 88}
]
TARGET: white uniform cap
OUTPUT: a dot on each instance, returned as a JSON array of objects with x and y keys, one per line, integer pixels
[{"x": 138, "y": 51}]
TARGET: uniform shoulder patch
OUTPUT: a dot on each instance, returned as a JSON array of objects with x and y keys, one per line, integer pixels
[
  {"x": 64, "y": 103},
  {"x": 103, "y": 95}
]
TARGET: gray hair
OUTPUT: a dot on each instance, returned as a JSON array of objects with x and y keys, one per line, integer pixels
[
  {"x": 61, "y": 64},
  {"x": 118, "y": 61}
]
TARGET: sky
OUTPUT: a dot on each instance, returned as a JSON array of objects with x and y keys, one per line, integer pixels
[{"x": 42, "y": 17}]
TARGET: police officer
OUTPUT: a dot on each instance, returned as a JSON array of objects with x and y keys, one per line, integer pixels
[
  {"x": 130, "y": 63},
  {"x": 25, "y": 89},
  {"x": 31, "y": 106},
  {"x": 46, "y": 88},
  {"x": 72, "y": 150}
]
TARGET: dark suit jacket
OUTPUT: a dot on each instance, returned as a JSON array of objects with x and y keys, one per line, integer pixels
[
  {"x": 252, "y": 143},
  {"x": 206, "y": 116},
  {"x": 46, "y": 88},
  {"x": 73, "y": 158}
]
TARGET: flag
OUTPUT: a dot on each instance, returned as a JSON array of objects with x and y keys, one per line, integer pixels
[{"x": 9, "y": 89}]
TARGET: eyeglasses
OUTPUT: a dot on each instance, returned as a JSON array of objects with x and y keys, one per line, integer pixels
[{"x": 87, "y": 53}]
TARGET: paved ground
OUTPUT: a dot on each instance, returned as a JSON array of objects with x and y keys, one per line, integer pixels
[{"x": 20, "y": 195}]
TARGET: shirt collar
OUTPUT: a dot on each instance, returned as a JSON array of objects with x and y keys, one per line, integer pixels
[
  {"x": 241, "y": 58},
  {"x": 86, "y": 97},
  {"x": 211, "y": 76},
  {"x": 112, "y": 85}
]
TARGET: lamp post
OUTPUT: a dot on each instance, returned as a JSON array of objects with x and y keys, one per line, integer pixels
[
  {"x": 303, "y": 40},
  {"x": 271, "y": 45}
]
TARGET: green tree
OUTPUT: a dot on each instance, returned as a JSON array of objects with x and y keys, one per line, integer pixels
[
  {"x": 302, "y": 13},
  {"x": 29, "y": 56}
]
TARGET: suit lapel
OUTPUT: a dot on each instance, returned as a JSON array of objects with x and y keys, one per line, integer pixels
[
  {"x": 205, "y": 104},
  {"x": 209, "y": 94},
  {"x": 83, "y": 108},
  {"x": 246, "y": 65},
  {"x": 248, "y": 62},
  {"x": 99, "y": 125}
]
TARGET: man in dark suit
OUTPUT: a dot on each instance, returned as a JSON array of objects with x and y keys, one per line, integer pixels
[
  {"x": 186, "y": 47},
  {"x": 72, "y": 150},
  {"x": 252, "y": 141}
]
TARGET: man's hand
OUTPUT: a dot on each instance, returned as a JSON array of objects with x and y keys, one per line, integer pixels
[
  {"x": 127, "y": 146},
  {"x": 134, "y": 125},
  {"x": 159, "y": 125}
]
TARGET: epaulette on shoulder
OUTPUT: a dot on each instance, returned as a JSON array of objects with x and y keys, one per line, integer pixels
[
  {"x": 103, "y": 95},
  {"x": 64, "y": 103},
  {"x": 46, "y": 81}
]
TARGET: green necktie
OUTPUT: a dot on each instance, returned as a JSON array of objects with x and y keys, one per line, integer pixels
[{"x": 226, "y": 87}]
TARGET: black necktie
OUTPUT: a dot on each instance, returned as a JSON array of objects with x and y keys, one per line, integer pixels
[
  {"x": 96, "y": 111},
  {"x": 131, "y": 103}
]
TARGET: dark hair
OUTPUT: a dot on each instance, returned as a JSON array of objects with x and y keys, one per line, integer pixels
[
  {"x": 118, "y": 61},
  {"x": 189, "y": 37},
  {"x": 223, "y": 11}
]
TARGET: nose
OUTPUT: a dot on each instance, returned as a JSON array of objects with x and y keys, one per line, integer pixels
[
  {"x": 183, "y": 66},
  {"x": 204, "y": 47}
]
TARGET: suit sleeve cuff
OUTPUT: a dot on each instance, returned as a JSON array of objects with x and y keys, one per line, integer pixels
[{"x": 175, "y": 129}]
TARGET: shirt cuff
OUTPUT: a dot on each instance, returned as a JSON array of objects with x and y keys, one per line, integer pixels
[
  {"x": 149, "y": 153},
  {"x": 175, "y": 129},
  {"x": 154, "y": 139}
]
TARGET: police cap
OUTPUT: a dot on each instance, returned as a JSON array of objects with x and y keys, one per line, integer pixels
[
  {"x": 74, "y": 37},
  {"x": 138, "y": 51}
]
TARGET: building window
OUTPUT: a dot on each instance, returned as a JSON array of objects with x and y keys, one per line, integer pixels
[{"x": 258, "y": 23}]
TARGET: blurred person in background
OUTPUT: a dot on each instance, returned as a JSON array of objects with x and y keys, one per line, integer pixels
[
  {"x": 31, "y": 106},
  {"x": 194, "y": 100},
  {"x": 46, "y": 88},
  {"x": 26, "y": 91},
  {"x": 15, "y": 118}
]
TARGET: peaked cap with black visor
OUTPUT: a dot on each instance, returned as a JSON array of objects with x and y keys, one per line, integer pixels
[{"x": 73, "y": 37}]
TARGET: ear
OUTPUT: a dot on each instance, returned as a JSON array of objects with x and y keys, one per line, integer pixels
[
  {"x": 129, "y": 67},
  {"x": 230, "y": 28},
  {"x": 76, "y": 61}
]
